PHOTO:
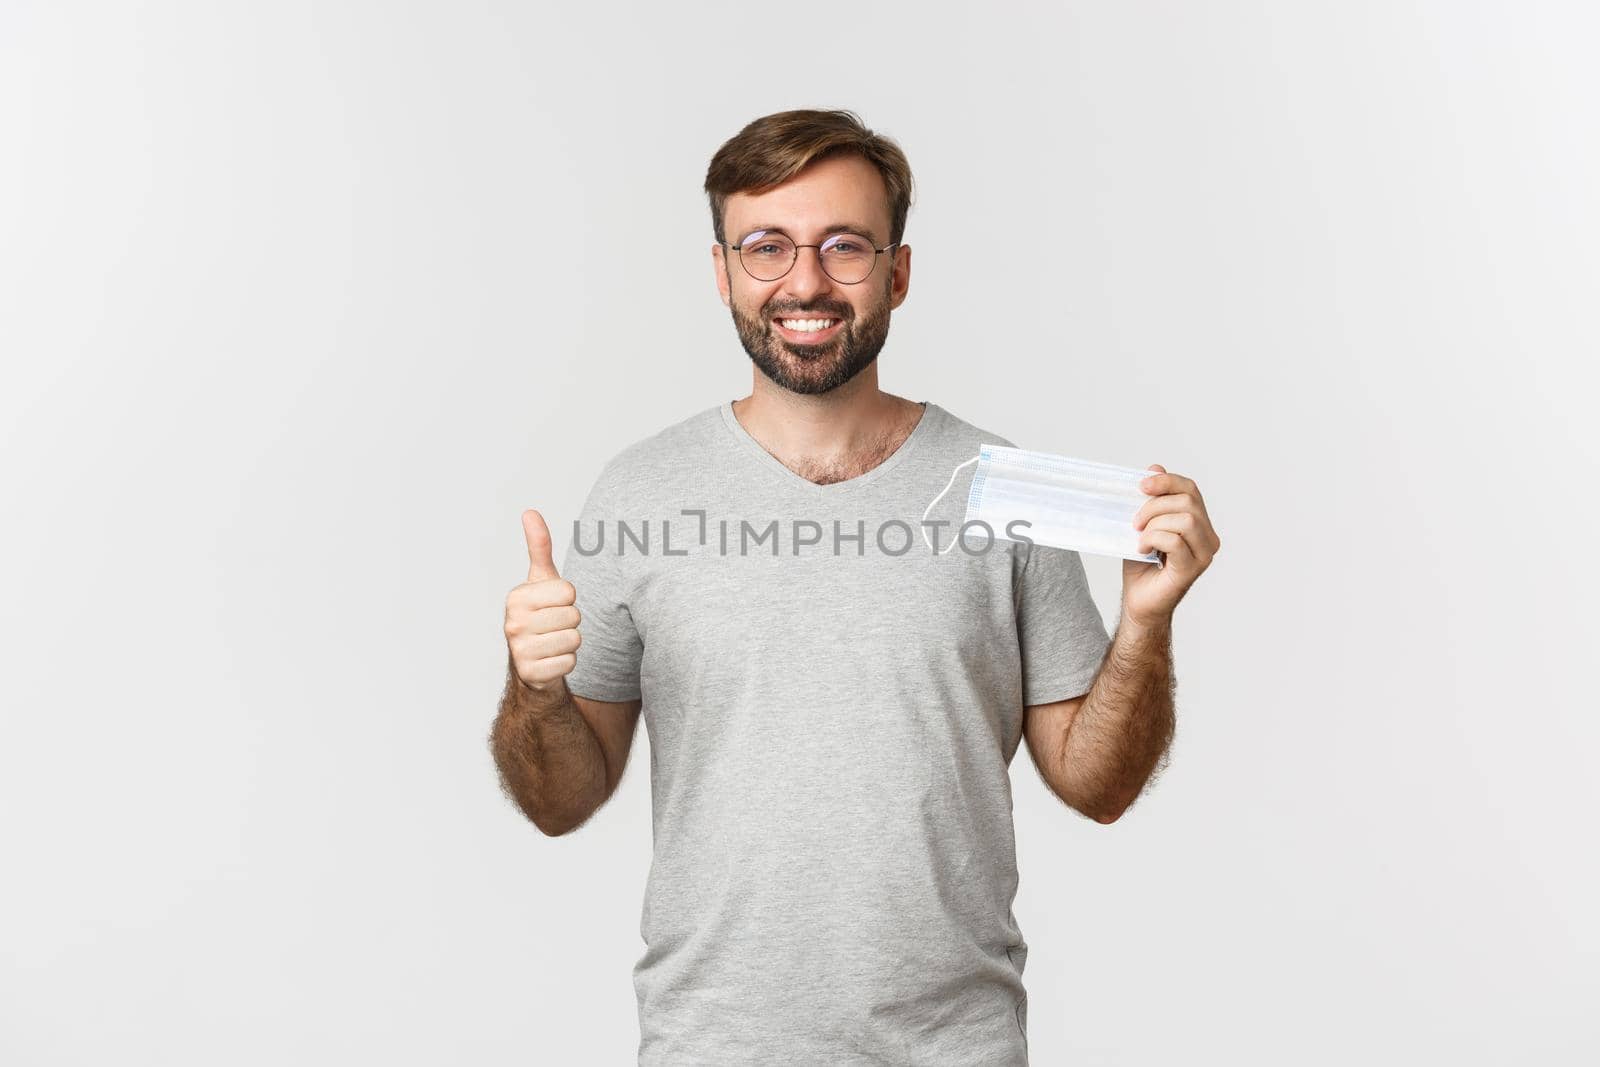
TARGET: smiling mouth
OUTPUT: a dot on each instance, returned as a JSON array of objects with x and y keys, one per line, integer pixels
[{"x": 807, "y": 329}]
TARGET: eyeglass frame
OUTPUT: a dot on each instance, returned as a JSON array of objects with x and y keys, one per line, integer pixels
[{"x": 876, "y": 252}]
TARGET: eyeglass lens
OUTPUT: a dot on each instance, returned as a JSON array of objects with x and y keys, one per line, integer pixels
[{"x": 846, "y": 257}]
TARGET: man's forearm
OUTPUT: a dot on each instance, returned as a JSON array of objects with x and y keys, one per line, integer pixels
[
  {"x": 1126, "y": 722},
  {"x": 551, "y": 764}
]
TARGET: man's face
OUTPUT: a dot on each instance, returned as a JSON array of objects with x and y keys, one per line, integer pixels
[{"x": 843, "y": 193}]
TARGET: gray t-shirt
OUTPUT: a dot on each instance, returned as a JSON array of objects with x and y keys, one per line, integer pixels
[{"x": 832, "y": 710}]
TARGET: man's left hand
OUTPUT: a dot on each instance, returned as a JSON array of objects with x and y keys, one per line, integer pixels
[{"x": 1174, "y": 522}]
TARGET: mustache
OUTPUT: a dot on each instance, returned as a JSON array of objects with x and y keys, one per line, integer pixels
[{"x": 802, "y": 313}]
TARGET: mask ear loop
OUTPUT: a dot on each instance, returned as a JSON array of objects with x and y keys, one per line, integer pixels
[{"x": 923, "y": 526}]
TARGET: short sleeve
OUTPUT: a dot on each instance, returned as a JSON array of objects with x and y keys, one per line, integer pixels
[
  {"x": 1059, "y": 630},
  {"x": 610, "y": 651}
]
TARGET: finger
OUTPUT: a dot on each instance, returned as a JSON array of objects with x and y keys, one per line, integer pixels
[
  {"x": 527, "y": 618},
  {"x": 540, "y": 593},
  {"x": 531, "y": 648},
  {"x": 1178, "y": 555},
  {"x": 1148, "y": 480},
  {"x": 547, "y": 673},
  {"x": 1161, "y": 481},
  {"x": 1167, "y": 504},
  {"x": 550, "y": 620},
  {"x": 1190, "y": 533},
  {"x": 1195, "y": 526},
  {"x": 541, "y": 564}
]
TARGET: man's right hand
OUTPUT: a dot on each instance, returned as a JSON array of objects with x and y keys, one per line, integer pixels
[{"x": 542, "y": 615}]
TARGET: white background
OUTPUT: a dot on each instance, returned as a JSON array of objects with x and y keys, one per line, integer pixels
[{"x": 302, "y": 303}]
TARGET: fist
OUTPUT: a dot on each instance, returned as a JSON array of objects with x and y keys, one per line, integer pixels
[{"x": 542, "y": 615}]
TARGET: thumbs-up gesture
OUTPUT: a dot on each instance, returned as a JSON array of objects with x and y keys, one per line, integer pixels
[{"x": 542, "y": 614}]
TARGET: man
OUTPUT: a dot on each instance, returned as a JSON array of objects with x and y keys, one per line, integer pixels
[{"x": 832, "y": 712}]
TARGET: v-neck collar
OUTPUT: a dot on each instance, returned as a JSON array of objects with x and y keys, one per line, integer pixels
[{"x": 922, "y": 429}]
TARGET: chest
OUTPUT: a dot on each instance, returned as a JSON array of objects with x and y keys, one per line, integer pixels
[{"x": 813, "y": 616}]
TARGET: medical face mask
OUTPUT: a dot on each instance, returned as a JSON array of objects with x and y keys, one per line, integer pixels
[{"x": 1053, "y": 500}]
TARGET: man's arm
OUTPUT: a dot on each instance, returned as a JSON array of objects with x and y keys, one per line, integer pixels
[
  {"x": 1097, "y": 751},
  {"x": 560, "y": 756}
]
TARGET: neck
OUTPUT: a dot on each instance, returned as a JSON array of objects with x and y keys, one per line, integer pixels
[
  {"x": 834, "y": 423},
  {"x": 832, "y": 431}
]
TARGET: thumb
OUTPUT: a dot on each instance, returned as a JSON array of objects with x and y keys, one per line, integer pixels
[{"x": 541, "y": 564}]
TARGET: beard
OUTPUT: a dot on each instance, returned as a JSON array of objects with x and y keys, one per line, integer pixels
[{"x": 814, "y": 369}]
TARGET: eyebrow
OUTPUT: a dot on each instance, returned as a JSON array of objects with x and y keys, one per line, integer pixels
[{"x": 838, "y": 227}]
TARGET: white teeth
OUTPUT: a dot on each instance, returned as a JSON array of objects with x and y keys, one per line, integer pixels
[{"x": 807, "y": 325}]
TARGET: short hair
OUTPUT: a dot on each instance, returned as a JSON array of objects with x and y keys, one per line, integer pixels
[{"x": 774, "y": 148}]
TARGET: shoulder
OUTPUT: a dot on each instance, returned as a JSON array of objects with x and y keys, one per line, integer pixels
[
  {"x": 659, "y": 458},
  {"x": 964, "y": 433}
]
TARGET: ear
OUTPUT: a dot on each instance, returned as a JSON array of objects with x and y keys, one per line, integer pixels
[
  {"x": 720, "y": 264},
  {"x": 900, "y": 280}
]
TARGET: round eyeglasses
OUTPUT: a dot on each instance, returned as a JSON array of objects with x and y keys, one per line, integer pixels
[{"x": 847, "y": 258}]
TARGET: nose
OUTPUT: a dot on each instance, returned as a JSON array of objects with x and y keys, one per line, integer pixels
[{"x": 806, "y": 280}]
